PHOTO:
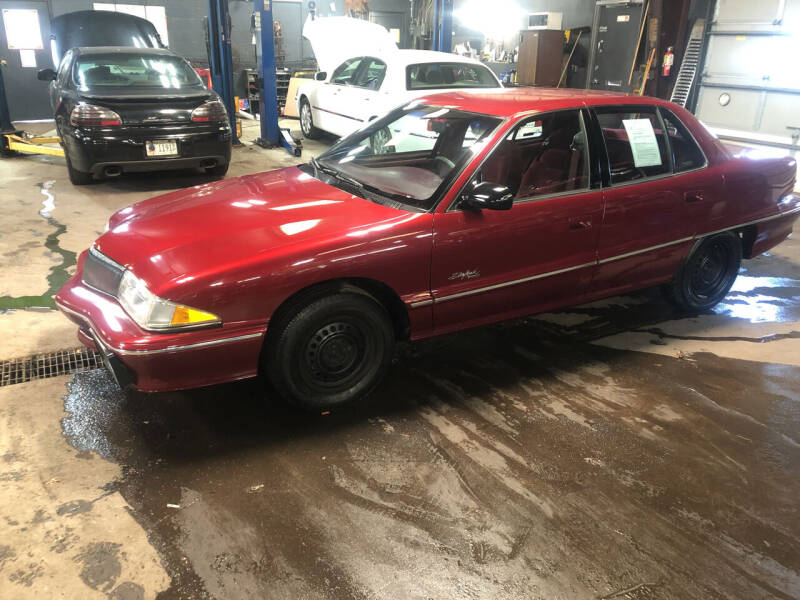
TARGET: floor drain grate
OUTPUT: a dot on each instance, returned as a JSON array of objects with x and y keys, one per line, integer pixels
[{"x": 51, "y": 364}]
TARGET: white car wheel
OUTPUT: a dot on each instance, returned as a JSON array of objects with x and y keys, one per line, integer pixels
[{"x": 307, "y": 120}]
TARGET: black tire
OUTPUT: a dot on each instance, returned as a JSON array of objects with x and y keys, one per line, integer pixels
[
  {"x": 218, "y": 170},
  {"x": 706, "y": 277},
  {"x": 330, "y": 351},
  {"x": 77, "y": 177},
  {"x": 307, "y": 120}
]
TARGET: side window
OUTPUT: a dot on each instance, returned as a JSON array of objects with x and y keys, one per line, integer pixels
[
  {"x": 686, "y": 154},
  {"x": 371, "y": 76},
  {"x": 545, "y": 154},
  {"x": 635, "y": 142},
  {"x": 343, "y": 75},
  {"x": 63, "y": 68}
]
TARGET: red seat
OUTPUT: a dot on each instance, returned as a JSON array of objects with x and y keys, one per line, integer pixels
[{"x": 558, "y": 168}]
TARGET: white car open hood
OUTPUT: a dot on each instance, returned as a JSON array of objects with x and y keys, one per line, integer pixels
[{"x": 335, "y": 39}]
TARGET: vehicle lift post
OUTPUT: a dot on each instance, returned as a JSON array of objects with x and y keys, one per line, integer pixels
[
  {"x": 272, "y": 134},
  {"x": 219, "y": 57},
  {"x": 6, "y": 127},
  {"x": 443, "y": 25}
]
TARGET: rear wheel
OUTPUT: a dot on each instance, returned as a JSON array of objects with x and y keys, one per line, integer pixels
[
  {"x": 330, "y": 351},
  {"x": 77, "y": 177},
  {"x": 307, "y": 120},
  {"x": 708, "y": 274}
]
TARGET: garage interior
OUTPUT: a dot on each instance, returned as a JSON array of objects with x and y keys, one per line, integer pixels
[{"x": 618, "y": 449}]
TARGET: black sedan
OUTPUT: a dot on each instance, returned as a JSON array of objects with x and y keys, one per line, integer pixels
[{"x": 136, "y": 109}]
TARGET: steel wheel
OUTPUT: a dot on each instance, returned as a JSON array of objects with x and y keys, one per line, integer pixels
[
  {"x": 330, "y": 351},
  {"x": 708, "y": 274}
]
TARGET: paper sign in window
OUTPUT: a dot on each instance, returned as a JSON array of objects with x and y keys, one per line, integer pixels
[
  {"x": 529, "y": 130},
  {"x": 644, "y": 144}
]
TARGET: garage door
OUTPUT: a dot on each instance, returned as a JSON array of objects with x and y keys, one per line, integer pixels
[{"x": 750, "y": 89}]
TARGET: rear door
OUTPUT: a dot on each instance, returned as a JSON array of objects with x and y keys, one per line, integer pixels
[
  {"x": 490, "y": 265},
  {"x": 24, "y": 49},
  {"x": 646, "y": 229}
]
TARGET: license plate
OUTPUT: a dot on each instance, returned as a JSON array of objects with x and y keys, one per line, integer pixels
[{"x": 161, "y": 148}]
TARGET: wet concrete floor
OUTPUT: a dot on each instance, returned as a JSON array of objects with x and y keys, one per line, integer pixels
[{"x": 614, "y": 450}]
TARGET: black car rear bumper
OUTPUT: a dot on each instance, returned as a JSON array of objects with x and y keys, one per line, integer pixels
[{"x": 124, "y": 148}]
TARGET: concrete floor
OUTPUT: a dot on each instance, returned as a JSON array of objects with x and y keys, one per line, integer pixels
[{"x": 614, "y": 450}]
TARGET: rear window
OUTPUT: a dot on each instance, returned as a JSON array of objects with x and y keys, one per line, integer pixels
[
  {"x": 433, "y": 76},
  {"x": 686, "y": 154},
  {"x": 101, "y": 71}
]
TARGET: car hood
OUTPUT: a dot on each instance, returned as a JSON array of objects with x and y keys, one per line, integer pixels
[
  {"x": 335, "y": 39},
  {"x": 230, "y": 225}
]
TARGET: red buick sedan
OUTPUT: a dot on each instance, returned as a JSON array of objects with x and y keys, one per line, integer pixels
[{"x": 453, "y": 211}]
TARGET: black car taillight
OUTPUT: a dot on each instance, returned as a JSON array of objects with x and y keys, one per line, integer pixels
[
  {"x": 88, "y": 115},
  {"x": 212, "y": 111}
]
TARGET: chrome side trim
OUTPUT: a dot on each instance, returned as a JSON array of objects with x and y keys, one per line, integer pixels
[
  {"x": 175, "y": 348},
  {"x": 770, "y": 218},
  {"x": 643, "y": 250},
  {"x": 507, "y": 284},
  {"x": 338, "y": 114},
  {"x": 237, "y": 338},
  {"x": 421, "y": 303},
  {"x": 603, "y": 261}
]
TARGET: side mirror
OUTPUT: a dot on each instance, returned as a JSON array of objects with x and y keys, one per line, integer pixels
[
  {"x": 492, "y": 196},
  {"x": 46, "y": 75},
  {"x": 321, "y": 76}
]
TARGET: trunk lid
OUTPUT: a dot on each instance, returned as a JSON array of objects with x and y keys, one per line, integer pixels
[{"x": 146, "y": 107}]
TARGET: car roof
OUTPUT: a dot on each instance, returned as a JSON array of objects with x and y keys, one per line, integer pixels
[
  {"x": 507, "y": 102},
  {"x": 88, "y": 50},
  {"x": 411, "y": 57}
]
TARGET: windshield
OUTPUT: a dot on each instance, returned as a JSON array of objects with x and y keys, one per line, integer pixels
[
  {"x": 410, "y": 155},
  {"x": 101, "y": 71},
  {"x": 434, "y": 76}
]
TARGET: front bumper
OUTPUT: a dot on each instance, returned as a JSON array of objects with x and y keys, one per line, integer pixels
[
  {"x": 159, "y": 362},
  {"x": 92, "y": 152}
]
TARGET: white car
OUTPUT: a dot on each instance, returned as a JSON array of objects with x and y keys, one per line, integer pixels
[{"x": 364, "y": 75}]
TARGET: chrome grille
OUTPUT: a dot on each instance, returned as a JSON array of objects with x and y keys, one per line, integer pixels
[{"x": 101, "y": 273}]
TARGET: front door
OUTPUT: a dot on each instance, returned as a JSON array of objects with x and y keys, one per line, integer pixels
[
  {"x": 492, "y": 265},
  {"x": 364, "y": 100},
  {"x": 334, "y": 111},
  {"x": 24, "y": 49}
]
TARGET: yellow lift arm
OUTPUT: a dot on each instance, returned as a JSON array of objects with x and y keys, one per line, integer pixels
[{"x": 33, "y": 145}]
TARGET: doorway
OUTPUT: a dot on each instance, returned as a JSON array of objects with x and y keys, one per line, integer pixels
[{"x": 24, "y": 49}]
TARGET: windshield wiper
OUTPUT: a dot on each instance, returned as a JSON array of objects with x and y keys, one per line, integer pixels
[{"x": 318, "y": 166}]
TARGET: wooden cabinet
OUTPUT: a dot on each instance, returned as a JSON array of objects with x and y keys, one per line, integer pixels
[{"x": 540, "y": 57}]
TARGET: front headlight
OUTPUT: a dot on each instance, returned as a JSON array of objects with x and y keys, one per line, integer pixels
[{"x": 151, "y": 312}]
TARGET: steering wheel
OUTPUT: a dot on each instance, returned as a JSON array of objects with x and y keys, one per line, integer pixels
[{"x": 447, "y": 162}]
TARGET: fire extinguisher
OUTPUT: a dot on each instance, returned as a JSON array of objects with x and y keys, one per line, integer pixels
[{"x": 669, "y": 60}]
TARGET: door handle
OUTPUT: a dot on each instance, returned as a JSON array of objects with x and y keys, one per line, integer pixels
[
  {"x": 691, "y": 197},
  {"x": 578, "y": 224}
]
